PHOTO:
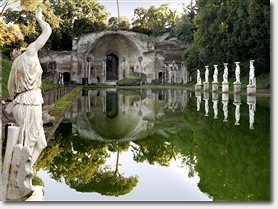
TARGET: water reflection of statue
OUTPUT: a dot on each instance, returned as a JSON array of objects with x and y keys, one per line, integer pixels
[
  {"x": 237, "y": 113},
  {"x": 206, "y": 74},
  {"x": 199, "y": 99},
  {"x": 215, "y": 75},
  {"x": 215, "y": 108},
  {"x": 252, "y": 109},
  {"x": 225, "y": 74},
  {"x": 206, "y": 107},
  {"x": 24, "y": 87},
  {"x": 237, "y": 72},
  {"x": 225, "y": 110},
  {"x": 252, "y": 79},
  {"x": 199, "y": 81}
]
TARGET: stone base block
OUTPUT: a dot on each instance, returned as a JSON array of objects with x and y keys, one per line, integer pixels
[
  {"x": 225, "y": 87},
  {"x": 237, "y": 98},
  {"x": 214, "y": 87},
  {"x": 198, "y": 87},
  {"x": 214, "y": 96},
  {"x": 237, "y": 88},
  {"x": 206, "y": 86},
  {"x": 225, "y": 97},
  {"x": 251, "y": 89},
  {"x": 251, "y": 99}
]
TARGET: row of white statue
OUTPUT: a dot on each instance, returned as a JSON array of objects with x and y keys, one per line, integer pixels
[
  {"x": 251, "y": 101},
  {"x": 252, "y": 78}
]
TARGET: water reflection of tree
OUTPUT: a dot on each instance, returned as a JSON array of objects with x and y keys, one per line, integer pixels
[
  {"x": 233, "y": 162},
  {"x": 81, "y": 163}
]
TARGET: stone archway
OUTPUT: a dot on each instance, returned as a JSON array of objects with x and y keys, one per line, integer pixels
[{"x": 112, "y": 65}]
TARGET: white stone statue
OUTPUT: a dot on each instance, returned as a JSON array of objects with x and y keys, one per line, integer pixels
[
  {"x": 24, "y": 87},
  {"x": 199, "y": 81},
  {"x": 237, "y": 72},
  {"x": 252, "y": 79},
  {"x": 215, "y": 75},
  {"x": 225, "y": 74},
  {"x": 206, "y": 74}
]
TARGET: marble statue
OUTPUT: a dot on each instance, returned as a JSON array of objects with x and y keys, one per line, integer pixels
[
  {"x": 206, "y": 74},
  {"x": 237, "y": 72},
  {"x": 199, "y": 81},
  {"x": 215, "y": 75},
  {"x": 225, "y": 74},
  {"x": 24, "y": 88},
  {"x": 252, "y": 79}
]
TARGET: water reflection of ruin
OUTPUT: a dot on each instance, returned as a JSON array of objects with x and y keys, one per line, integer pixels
[
  {"x": 251, "y": 102},
  {"x": 125, "y": 114}
]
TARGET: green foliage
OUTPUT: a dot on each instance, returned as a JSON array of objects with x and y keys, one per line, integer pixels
[
  {"x": 10, "y": 36},
  {"x": 155, "y": 20},
  {"x": 229, "y": 31},
  {"x": 118, "y": 24},
  {"x": 6, "y": 68}
]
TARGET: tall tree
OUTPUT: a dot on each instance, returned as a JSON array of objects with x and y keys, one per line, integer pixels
[
  {"x": 229, "y": 31},
  {"x": 155, "y": 20}
]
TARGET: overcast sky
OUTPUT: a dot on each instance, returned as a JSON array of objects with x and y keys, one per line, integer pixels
[{"x": 127, "y": 6}]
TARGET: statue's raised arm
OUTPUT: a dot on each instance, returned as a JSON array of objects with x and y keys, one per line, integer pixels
[{"x": 42, "y": 39}]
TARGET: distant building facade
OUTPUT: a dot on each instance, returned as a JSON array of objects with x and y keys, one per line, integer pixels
[{"x": 108, "y": 56}]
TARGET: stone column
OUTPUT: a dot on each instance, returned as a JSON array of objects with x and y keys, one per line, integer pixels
[
  {"x": 89, "y": 69},
  {"x": 104, "y": 68}
]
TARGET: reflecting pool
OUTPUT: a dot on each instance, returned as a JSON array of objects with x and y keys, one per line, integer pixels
[{"x": 159, "y": 145}]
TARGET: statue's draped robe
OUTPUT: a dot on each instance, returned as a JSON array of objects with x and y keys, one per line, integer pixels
[{"x": 24, "y": 88}]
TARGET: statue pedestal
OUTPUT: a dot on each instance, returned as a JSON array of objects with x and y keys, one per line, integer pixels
[
  {"x": 237, "y": 98},
  {"x": 206, "y": 86},
  {"x": 251, "y": 89},
  {"x": 198, "y": 87},
  {"x": 214, "y": 96},
  {"x": 225, "y": 87},
  {"x": 251, "y": 99},
  {"x": 237, "y": 88},
  {"x": 214, "y": 87}
]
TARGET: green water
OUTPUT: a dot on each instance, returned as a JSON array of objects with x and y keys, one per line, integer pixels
[{"x": 160, "y": 145}]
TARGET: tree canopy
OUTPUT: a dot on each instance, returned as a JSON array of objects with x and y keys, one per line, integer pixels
[{"x": 230, "y": 31}]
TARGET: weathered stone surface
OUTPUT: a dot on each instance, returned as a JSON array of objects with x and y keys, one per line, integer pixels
[
  {"x": 20, "y": 178},
  {"x": 133, "y": 52},
  {"x": 46, "y": 118}
]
